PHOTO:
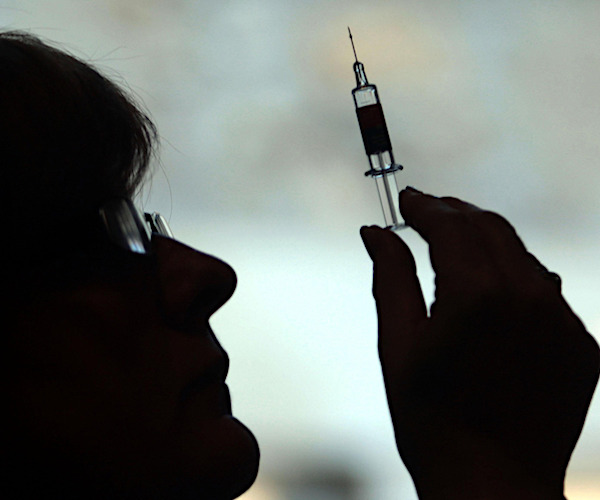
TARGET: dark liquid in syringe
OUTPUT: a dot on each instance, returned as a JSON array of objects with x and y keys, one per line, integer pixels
[{"x": 373, "y": 129}]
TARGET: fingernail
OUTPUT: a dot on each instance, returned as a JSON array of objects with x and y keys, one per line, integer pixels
[
  {"x": 408, "y": 192},
  {"x": 368, "y": 235}
]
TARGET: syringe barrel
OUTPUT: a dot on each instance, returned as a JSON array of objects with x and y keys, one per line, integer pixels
[
  {"x": 371, "y": 120},
  {"x": 373, "y": 129},
  {"x": 387, "y": 189},
  {"x": 378, "y": 147}
]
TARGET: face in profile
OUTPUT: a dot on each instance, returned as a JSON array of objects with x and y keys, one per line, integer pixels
[{"x": 120, "y": 381}]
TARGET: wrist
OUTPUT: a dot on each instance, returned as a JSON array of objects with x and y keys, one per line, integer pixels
[
  {"x": 488, "y": 493},
  {"x": 497, "y": 479},
  {"x": 480, "y": 484},
  {"x": 473, "y": 467}
]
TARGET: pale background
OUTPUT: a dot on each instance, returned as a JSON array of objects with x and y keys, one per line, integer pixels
[{"x": 496, "y": 102}]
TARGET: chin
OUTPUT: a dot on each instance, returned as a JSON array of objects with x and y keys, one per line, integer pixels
[
  {"x": 198, "y": 457},
  {"x": 220, "y": 461}
]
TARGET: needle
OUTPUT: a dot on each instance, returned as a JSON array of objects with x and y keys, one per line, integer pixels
[{"x": 352, "y": 41}]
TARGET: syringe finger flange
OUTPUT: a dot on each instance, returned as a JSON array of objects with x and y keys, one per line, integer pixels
[{"x": 375, "y": 172}]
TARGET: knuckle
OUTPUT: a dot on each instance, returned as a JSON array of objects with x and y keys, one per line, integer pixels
[
  {"x": 491, "y": 219},
  {"x": 594, "y": 353},
  {"x": 540, "y": 292},
  {"x": 453, "y": 201}
]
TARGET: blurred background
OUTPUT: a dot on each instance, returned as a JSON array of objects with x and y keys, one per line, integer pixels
[{"x": 262, "y": 164}]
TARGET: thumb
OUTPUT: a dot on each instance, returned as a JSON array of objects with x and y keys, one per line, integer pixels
[{"x": 397, "y": 291}]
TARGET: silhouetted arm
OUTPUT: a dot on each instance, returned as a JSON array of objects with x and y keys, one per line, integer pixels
[{"x": 488, "y": 391}]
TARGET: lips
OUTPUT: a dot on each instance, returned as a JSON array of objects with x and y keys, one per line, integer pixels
[
  {"x": 215, "y": 374},
  {"x": 207, "y": 394}
]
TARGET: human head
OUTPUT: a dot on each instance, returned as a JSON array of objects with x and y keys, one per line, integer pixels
[
  {"x": 116, "y": 379},
  {"x": 70, "y": 139}
]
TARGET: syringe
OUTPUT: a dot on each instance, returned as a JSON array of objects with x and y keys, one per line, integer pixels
[{"x": 377, "y": 144}]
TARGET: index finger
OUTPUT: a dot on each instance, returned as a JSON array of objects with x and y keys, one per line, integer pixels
[
  {"x": 459, "y": 253},
  {"x": 397, "y": 292}
]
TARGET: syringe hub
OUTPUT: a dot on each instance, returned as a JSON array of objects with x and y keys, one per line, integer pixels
[{"x": 361, "y": 76}]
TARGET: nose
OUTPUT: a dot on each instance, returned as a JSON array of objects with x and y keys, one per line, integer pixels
[{"x": 193, "y": 284}]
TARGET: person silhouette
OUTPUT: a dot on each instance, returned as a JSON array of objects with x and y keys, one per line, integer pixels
[{"x": 117, "y": 382}]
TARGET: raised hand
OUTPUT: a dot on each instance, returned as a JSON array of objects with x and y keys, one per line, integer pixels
[{"x": 488, "y": 392}]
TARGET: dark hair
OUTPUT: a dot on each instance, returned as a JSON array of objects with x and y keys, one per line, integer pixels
[{"x": 69, "y": 139}]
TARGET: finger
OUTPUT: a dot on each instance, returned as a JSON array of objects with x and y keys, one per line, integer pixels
[
  {"x": 459, "y": 253},
  {"x": 502, "y": 240},
  {"x": 504, "y": 245},
  {"x": 397, "y": 291}
]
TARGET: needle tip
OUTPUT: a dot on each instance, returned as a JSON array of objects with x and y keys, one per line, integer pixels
[{"x": 352, "y": 41}]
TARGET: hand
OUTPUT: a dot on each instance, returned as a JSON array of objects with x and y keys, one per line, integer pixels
[{"x": 489, "y": 391}]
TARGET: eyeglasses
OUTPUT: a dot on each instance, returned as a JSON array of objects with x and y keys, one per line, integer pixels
[{"x": 131, "y": 229}]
